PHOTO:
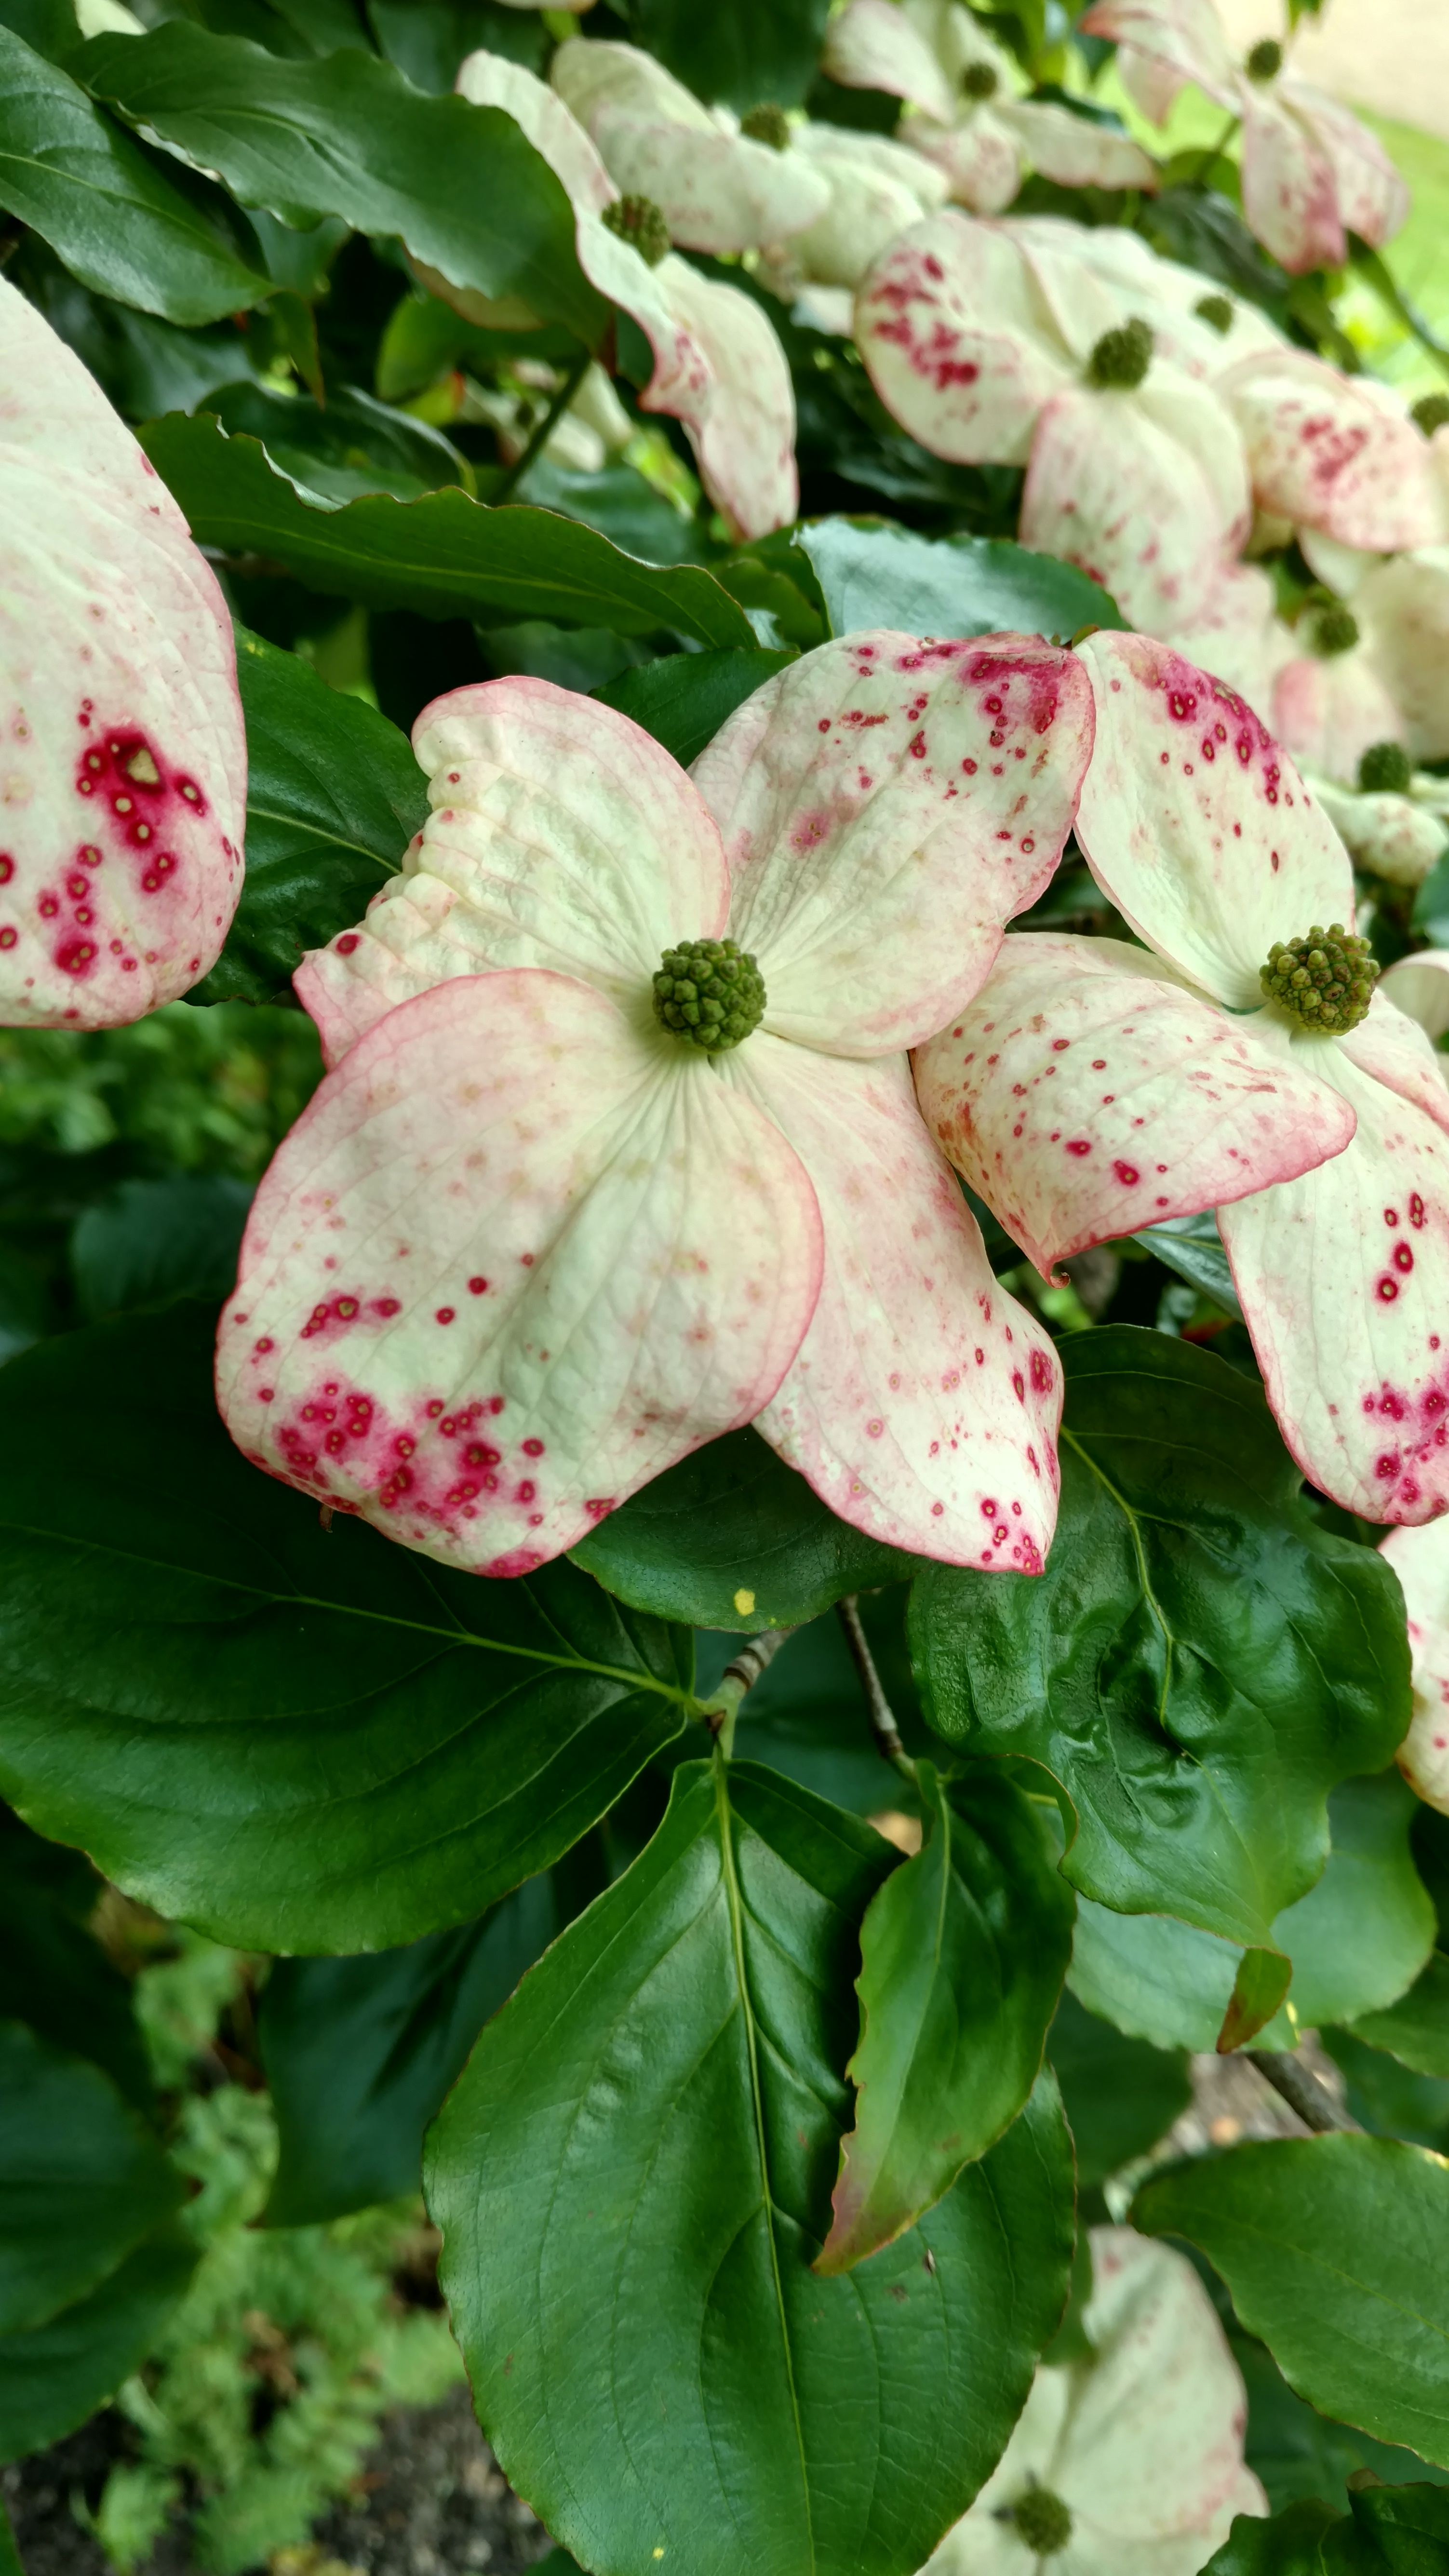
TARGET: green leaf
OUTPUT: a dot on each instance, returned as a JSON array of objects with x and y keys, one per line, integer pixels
[
  {"x": 808, "y": 1718},
  {"x": 632, "y": 2177},
  {"x": 334, "y": 796},
  {"x": 347, "y": 446},
  {"x": 1336, "y": 2251},
  {"x": 360, "y": 2052},
  {"x": 423, "y": 338},
  {"x": 873, "y": 572},
  {"x": 621, "y": 503},
  {"x": 753, "y": 53},
  {"x": 1389, "y": 2098},
  {"x": 1192, "y": 1246},
  {"x": 1415, "y": 2030},
  {"x": 296, "y": 1738},
  {"x": 732, "y": 1537},
  {"x": 1120, "y": 2094},
  {"x": 684, "y": 698},
  {"x": 349, "y": 136},
  {"x": 82, "y": 2179},
  {"x": 444, "y": 555},
  {"x": 54, "y": 1975},
  {"x": 1360, "y": 1937},
  {"x": 427, "y": 39},
  {"x": 1401, "y": 2529},
  {"x": 105, "y": 205},
  {"x": 147, "y": 1241},
  {"x": 1162, "y": 1980},
  {"x": 963, "y": 1951},
  {"x": 1198, "y": 1665},
  {"x": 55, "y": 2376}
]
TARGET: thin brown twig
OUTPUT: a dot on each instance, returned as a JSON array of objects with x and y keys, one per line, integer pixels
[
  {"x": 1300, "y": 2088},
  {"x": 882, "y": 1716},
  {"x": 742, "y": 1672}
]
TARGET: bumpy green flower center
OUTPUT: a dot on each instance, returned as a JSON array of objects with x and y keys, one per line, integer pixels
[
  {"x": 1122, "y": 357},
  {"x": 1431, "y": 411},
  {"x": 767, "y": 124},
  {"x": 1326, "y": 979},
  {"x": 979, "y": 81},
  {"x": 1217, "y": 310},
  {"x": 1042, "y": 2520},
  {"x": 638, "y": 220},
  {"x": 1385, "y": 770},
  {"x": 1265, "y": 61},
  {"x": 709, "y": 992},
  {"x": 1335, "y": 630}
]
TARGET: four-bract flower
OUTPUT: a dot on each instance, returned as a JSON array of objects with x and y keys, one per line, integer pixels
[
  {"x": 122, "y": 751},
  {"x": 620, "y": 1148},
  {"x": 960, "y": 106},
  {"x": 999, "y": 344},
  {"x": 1338, "y": 456},
  {"x": 1128, "y": 2462},
  {"x": 878, "y": 188},
  {"x": 1093, "y": 1089},
  {"x": 1311, "y": 173},
  {"x": 717, "y": 188},
  {"x": 718, "y": 366}
]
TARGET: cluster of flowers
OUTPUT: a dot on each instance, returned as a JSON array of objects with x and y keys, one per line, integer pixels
[{"x": 646, "y": 1087}]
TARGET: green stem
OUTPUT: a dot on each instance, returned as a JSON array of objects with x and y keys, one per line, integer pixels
[
  {"x": 1214, "y": 152},
  {"x": 882, "y": 1715},
  {"x": 542, "y": 430},
  {"x": 723, "y": 1707},
  {"x": 1381, "y": 280}
]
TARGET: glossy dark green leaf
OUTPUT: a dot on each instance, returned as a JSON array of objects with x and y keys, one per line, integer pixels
[
  {"x": 105, "y": 205},
  {"x": 1360, "y": 1937},
  {"x": 56, "y": 2375},
  {"x": 1387, "y": 2097},
  {"x": 1296, "y": 2451},
  {"x": 82, "y": 2179},
  {"x": 731, "y": 1538},
  {"x": 360, "y": 2052},
  {"x": 427, "y": 39},
  {"x": 622, "y": 504},
  {"x": 1192, "y": 1246},
  {"x": 1387, "y": 2531},
  {"x": 1336, "y": 2251},
  {"x": 1416, "y": 2028},
  {"x": 349, "y": 136},
  {"x": 683, "y": 699},
  {"x": 752, "y": 53},
  {"x": 423, "y": 338},
  {"x": 444, "y": 555},
  {"x": 1199, "y": 1664},
  {"x": 963, "y": 1951},
  {"x": 872, "y": 572},
  {"x": 146, "y": 1241},
  {"x": 334, "y": 796},
  {"x": 1121, "y": 2095},
  {"x": 344, "y": 447},
  {"x": 297, "y": 1738},
  {"x": 632, "y": 2177},
  {"x": 1156, "y": 1978},
  {"x": 54, "y": 1975}
]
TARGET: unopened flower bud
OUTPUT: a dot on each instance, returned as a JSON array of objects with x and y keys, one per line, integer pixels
[
  {"x": 767, "y": 124},
  {"x": 1335, "y": 630},
  {"x": 709, "y": 992},
  {"x": 980, "y": 81},
  {"x": 1326, "y": 979},
  {"x": 1122, "y": 357},
  {"x": 639, "y": 221},
  {"x": 1431, "y": 411},
  {"x": 1042, "y": 2521},
  {"x": 1385, "y": 770},
  {"x": 1265, "y": 61}
]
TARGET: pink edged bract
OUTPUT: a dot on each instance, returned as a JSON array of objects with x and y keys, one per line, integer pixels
[
  {"x": 1092, "y": 1089},
  {"x": 527, "y": 1247},
  {"x": 718, "y": 367},
  {"x": 1141, "y": 2440},
  {"x": 122, "y": 750},
  {"x": 1420, "y": 1559}
]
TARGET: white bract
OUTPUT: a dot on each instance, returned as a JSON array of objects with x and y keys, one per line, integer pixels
[
  {"x": 122, "y": 750},
  {"x": 961, "y": 110},
  {"x": 527, "y": 1246},
  {"x": 1139, "y": 2446},
  {"x": 1093, "y": 1089},
  {"x": 717, "y": 189}
]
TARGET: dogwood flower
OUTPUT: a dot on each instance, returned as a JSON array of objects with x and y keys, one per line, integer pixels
[
  {"x": 993, "y": 348},
  {"x": 1336, "y": 455},
  {"x": 1237, "y": 633},
  {"x": 1402, "y": 611},
  {"x": 1420, "y": 1559},
  {"x": 619, "y": 1149},
  {"x": 718, "y": 366},
  {"x": 717, "y": 188},
  {"x": 878, "y": 188},
  {"x": 960, "y": 107},
  {"x": 1241, "y": 1061},
  {"x": 1329, "y": 705},
  {"x": 1394, "y": 824},
  {"x": 1128, "y": 2462},
  {"x": 122, "y": 749},
  {"x": 1311, "y": 173}
]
